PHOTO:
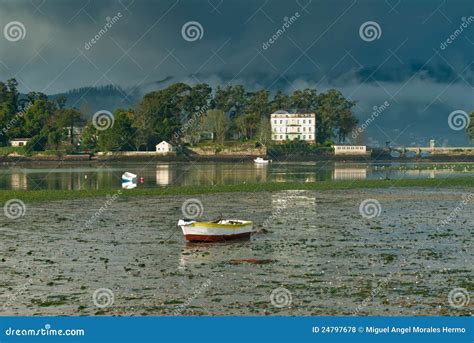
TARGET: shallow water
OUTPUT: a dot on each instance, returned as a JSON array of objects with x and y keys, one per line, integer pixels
[
  {"x": 106, "y": 176},
  {"x": 317, "y": 246}
]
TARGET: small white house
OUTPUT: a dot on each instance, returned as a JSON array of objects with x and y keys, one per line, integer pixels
[
  {"x": 165, "y": 148},
  {"x": 350, "y": 149},
  {"x": 18, "y": 142}
]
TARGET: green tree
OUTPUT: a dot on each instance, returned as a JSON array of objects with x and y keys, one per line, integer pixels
[
  {"x": 120, "y": 136},
  {"x": 264, "y": 131},
  {"x": 217, "y": 122},
  {"x": 334, "y": 116},
  {"x": 280, "y": 101},
  {"x": 159, "y": 115},
  {"x": 306, "y": 99},
  {"x": 89, "y": 139},
  {"x": 470, "y": 127}
]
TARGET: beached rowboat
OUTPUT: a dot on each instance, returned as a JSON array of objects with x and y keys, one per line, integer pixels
[{"x": 216, "y": 231}]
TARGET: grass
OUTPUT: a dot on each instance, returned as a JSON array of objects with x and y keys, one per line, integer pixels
[
  {"x": 50, "y": 195},
  {"x": 5, "y": 150}
]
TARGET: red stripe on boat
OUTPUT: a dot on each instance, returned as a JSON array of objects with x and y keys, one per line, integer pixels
[{"x": 216, "y": 238}]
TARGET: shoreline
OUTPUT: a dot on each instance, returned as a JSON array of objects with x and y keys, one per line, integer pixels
[
  {"x": 29, "y": 196},
  {"x": 78, "y": 159}
]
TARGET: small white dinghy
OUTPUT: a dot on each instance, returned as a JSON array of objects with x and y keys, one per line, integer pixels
[
  {"x": 260, "y": 160},
  {"x": 129, "y": 177},
  {"x": 216, "y": 231}
]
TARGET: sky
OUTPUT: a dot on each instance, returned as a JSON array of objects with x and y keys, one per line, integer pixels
[{"x": 402, "y": 58}]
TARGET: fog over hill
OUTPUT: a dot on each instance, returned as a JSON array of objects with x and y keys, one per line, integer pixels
[{"x": 420, "y": 60}]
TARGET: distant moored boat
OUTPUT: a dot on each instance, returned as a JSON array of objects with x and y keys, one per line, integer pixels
[{"x": 260, "y": 160}]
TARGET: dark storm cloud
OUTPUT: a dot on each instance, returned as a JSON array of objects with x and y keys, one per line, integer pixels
[{"x": 321, "y": 48}]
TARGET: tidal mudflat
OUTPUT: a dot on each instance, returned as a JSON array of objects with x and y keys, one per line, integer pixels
[{"x": 316, "y": 245}]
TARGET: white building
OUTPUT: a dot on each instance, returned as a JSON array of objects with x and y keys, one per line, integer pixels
[
  {"x": 165, "y": 148},
  {"x": 17, "y": 142},
  {"x": 291, "y": 126},
  {"x": 350, "y": 149}
]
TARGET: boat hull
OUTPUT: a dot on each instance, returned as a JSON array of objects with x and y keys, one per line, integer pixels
[
  {"x": 211, "y": 232},
  {"x": 217, "y": 238}
]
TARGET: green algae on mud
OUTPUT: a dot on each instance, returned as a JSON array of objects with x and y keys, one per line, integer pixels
[{"x": 51, "y": 195}]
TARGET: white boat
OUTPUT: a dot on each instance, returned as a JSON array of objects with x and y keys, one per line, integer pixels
[
  {"x": 216, "y": 231},
  {"x": 129, "y": 185},
  {"x": 260, "y": 160},
  {"x": 129, "y": 177}
]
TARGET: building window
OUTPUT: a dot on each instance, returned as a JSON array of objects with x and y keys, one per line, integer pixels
[
  {"x": 281, "y": 136},
  {"x": 309, "y": 121},
  {"x": 304, "y": 136},
  {"x": 309, "y": 129},
  {"x": 281, "y": 121},
  {"x": 304, "y": 121},
  {"x": 309, "y": 136},
  {"x": 304, "y": 128}
]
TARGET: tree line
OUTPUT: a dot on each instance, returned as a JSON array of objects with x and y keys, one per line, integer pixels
[
  {"x": 179, "y": 113},
  {"x": 182, "y": 113}
]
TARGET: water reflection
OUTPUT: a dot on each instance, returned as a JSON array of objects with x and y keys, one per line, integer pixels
[
  {"x": 349, "y": 173},
  {"x": 93, "y": 176}
]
